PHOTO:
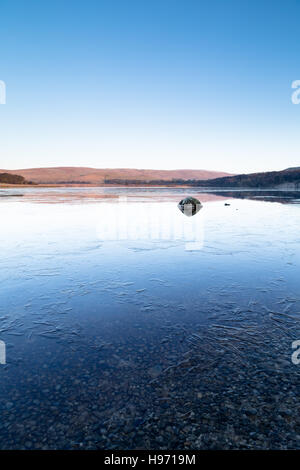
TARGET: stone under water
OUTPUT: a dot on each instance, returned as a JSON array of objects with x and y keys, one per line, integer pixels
[{"x": 190, "y": 206}]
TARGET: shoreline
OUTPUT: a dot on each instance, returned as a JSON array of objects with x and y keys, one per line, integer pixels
[
  {"x": 167, "y": 186},
  {"x": 45, "y": 185}
]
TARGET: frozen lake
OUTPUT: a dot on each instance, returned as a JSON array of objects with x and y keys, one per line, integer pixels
[{"x": 128, "y": 325}]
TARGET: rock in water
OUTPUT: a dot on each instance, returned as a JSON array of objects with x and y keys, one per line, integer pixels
[{"x": 190, "y": 206}]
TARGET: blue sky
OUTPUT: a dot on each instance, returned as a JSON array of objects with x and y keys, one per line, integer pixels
[{"x": 150, "y": 84}]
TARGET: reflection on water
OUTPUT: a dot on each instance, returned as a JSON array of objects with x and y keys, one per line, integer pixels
[
  {"x": 284, "y": 197},
  {"x": 128, "y": 325}
]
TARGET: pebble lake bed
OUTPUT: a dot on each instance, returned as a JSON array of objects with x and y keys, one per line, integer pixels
[{"x": 127, "y": 325}]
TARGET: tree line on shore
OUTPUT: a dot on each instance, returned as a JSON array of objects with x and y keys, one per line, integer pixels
[
  {"x": 252, "y": 180},
  {"x": 270, "y": 179},
  {"x": 9, "y": 178}
]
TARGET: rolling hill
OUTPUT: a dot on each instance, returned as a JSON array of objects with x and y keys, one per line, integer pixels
[
  {"x": 284, "y": 179},
  {"x": 85, "y": 175}
]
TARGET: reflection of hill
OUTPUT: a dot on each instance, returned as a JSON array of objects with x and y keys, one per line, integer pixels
[
  {"x": 284, "y": 197},
  {"x": 85, "y": 195}
]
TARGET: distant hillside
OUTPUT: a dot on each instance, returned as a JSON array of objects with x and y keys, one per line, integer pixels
[
  {"x": 83, "y": 175},
  {"x": 285, "y": 179}
]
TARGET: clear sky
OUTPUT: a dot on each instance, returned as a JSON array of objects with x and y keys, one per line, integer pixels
[{"x": 150, "y": 84}]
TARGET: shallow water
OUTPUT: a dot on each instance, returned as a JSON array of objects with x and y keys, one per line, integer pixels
[{"x": 128, "y": 325}]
